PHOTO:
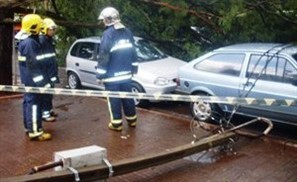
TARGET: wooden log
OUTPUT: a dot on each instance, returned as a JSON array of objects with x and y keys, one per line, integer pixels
[
  {"x": 127, "y": 165},
  {"x": 13, "y": 3}
]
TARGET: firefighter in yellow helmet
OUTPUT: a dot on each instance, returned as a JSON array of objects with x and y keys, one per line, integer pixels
[
  {"x": 47, "y": 42},
  {"x": 31, "y": 64}
]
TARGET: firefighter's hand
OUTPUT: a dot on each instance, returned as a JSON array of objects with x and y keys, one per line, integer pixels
[{"x": 47, "y": 85}]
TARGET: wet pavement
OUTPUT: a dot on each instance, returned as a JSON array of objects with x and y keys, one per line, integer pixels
[{"x": 82, "y": 121}]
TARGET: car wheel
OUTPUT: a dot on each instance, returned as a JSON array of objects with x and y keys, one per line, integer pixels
[
  {"x": 136, "y": 88},
  {"x": 73, "y": 81},
  {"x": 205, "y": 111}
]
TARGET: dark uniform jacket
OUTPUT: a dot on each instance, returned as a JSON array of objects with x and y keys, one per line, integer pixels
[
  {"x": 49, "y": 52},
  {"x": 33, "y": 58},
  {"x": 117, "y": 56}
]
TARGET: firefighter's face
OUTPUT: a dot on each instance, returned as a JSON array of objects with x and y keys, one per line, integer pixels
[{"x": 51, "y": 32}]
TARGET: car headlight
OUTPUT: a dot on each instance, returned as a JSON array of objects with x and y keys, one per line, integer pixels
[{"x": 160, "y": 81}]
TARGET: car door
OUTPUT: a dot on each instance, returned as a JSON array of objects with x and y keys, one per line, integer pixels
[
  {"x": 86, "y": 63},
  {"x": 270, "y": 77},
  {"x": 218, "y": 73}
]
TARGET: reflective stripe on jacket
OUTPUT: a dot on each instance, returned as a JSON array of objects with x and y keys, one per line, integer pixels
[
  {"x": 31, "y": 53},
  {"x": 117, "y": 55},
  {"x": 49, "y": 53}
]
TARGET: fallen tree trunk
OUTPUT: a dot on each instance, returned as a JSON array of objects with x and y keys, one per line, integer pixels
[{"x": 127, "y": 165}]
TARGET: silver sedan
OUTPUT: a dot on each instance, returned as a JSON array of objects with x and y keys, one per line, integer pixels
[{"x": 156, "y": 72}]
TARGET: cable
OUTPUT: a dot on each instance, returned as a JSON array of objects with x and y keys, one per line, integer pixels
[{"x": 282, "y": 47}]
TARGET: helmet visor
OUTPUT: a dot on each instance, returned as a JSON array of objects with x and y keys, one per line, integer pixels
[{"x": 100, "y": 17}]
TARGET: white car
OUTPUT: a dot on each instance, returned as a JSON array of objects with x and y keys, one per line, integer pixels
[{"x": 156, "y": 72}]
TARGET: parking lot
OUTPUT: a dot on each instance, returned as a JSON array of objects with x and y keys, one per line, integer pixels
[{"x": 82, "y": 121}]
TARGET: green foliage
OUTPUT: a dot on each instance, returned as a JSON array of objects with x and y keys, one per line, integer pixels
[{"x": 185, "y": 28}]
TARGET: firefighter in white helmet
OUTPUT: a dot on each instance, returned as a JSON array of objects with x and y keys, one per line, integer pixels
[
  {"x": 47, "y": 42},
  {"x": 116, "y": 65}
]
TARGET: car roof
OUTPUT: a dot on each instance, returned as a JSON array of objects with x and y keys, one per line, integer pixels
[
  {"x": 260, "y": 47},
  {"x": 97, "y": 39},
  {"x": 90, "y": 39}
]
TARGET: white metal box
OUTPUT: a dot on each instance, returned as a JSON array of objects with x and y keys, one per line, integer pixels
[{"x": 80, "y": 157}]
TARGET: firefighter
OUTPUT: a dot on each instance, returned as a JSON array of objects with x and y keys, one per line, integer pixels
[
  {"x": 48, "y": 31},
  {"x": 32, "y": 71},
  {"x": 117, "y": 63}
]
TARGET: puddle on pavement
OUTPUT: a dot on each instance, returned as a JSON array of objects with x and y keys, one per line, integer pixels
[{"x": 210, "y": 156}]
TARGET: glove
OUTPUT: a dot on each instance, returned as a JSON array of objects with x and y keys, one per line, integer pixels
[
  {"x": 101, "y": 73},
  {"x": 47, "y": 85}
]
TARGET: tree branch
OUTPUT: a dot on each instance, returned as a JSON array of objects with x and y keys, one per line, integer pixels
[
  {"x": 265, "y": 5},
  {"x": 58, "y": 19},
  {"x": 202, "y": 15},
  {"x": 55, "y": 7}
]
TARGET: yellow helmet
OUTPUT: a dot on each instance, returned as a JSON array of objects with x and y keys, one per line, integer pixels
[
  {"x": 48, "y": 24},
  {"x": 31, "y": 24}
]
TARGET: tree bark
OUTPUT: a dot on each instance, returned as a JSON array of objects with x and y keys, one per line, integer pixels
[{"x": 6, "y": 37}]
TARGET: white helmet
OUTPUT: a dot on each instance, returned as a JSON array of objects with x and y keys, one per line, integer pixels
[
  {"x": 109, "y": 13},
  {"x": 111, "y": 16}
]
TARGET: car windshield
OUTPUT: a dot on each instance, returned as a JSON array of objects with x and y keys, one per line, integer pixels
[{"x": 147, "y": 52}]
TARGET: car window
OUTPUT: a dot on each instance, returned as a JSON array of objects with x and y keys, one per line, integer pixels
[
  {"x": 74, "y": 50},
  {"x": 227, "y": 64},
  {"x": 84, "y": 50},
  {"x": 146, "y": 51},
  {"x": 295, "y": 57},
  {"x": 271, "y": 68},
  {"x": 289, "y": 72}
]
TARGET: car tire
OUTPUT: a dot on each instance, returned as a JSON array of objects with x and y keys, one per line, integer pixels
[
  {"x": 73, "y": 81},
  {"x": 137, "y": 88},
  {"x": 205, "y": 111}
]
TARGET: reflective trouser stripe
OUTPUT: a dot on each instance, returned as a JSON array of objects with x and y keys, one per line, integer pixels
[
  {"x": 53, "y": 79},
  {"x": 114, "y": 122},
  {"x": 34, "y": 119},
  {"x": 35, "y": 131},
  {"x": 131, "y": 118},
  {"x": 45, "y": 114},
  {"x": 36, "y": 134}
]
